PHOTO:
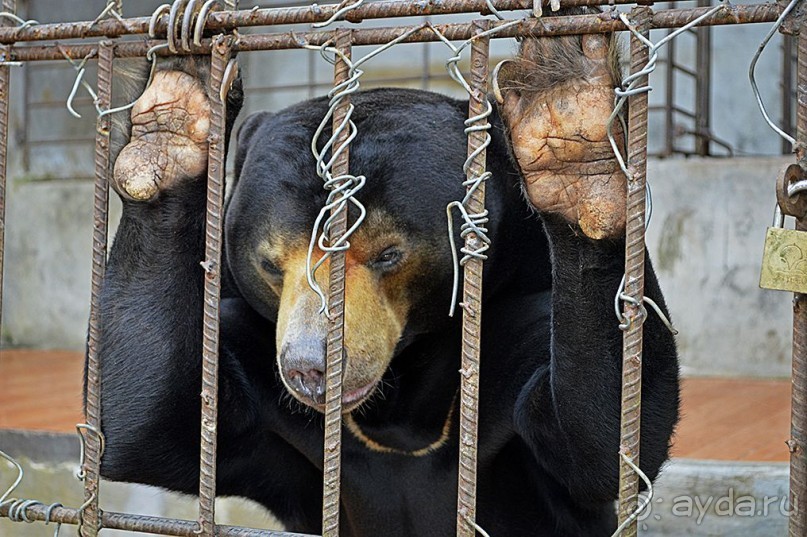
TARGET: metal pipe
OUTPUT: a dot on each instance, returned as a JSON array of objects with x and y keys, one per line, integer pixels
[
  {"x": 787, "y": 89},
  {"x": 335, "y": 350},
  {"x": 142, "y": 523},
  {"x": 669, "y": 111},
  {"x": 472, "y": 291},
  {"x": 5, "y": 90},
  {"x": 550, "y": 26},
  {"x": 798, "y": 423},
  {"x": 220, "y": 57},
  {"x": 92, "y": 408},
  {"x": 703, "y": 83},
  {"x": 630, "y": 424},
  {"x": 226, "y": 20}
]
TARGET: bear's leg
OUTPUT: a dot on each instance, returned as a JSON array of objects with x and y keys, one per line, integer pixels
[
  {"x": 151, "y": 320},
  {"x": 557, "y": 97}
]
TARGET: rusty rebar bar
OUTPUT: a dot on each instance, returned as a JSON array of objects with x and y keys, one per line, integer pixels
[
  {"x": 143, "y": 523},
  {"x": 703, "y": 85},
  {"x": 5, "y": 93},
  {"x": 332, "y": 459},
  {"x": 472, "y": 291},
  {"x": 220, "y": 57},
  {"x": 226, "y": 20},
  {"x": 788, "y": 46},
  {"x": 798, "y": 421},
  {"x": 549, "y": 26},
  {"x": 630, "y": 423},
  {"x": 92, "y": 407}
]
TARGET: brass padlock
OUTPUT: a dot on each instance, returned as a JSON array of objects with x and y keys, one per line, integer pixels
[{"x": 784, "y": 259}]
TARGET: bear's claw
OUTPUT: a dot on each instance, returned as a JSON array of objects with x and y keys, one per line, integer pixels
[
  {"x": 557, "y": 99},
  {"x": 169, "y": 141}
]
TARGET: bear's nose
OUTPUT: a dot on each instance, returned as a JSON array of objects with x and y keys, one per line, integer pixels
[
  {"x": 310, "y": 384},
  {"x": 304, "y": 368}
]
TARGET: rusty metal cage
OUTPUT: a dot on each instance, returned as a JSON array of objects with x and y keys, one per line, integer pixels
[{"x": 102, "y": 41}]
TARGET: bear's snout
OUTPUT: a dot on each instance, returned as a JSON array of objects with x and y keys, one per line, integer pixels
[{"x": 303, "y": 362}]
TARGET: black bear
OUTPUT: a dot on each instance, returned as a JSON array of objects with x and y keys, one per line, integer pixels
[{"x": 551, "y": 346}]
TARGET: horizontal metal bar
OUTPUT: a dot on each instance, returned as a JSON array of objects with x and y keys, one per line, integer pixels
[
  {"x": 58, "y": 141},
  {"x": 60, "y": 103},
  {"x": 664, "y": 107},
  {"x": 550, "y": 26},
  {"x": 144, "y": 524},
  {"x": 229, "y": 20},
  {"x": 684, "y": 112},
  {"x": 685, "y": 70}
]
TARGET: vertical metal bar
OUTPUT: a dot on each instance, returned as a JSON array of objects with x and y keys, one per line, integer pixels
[
  {"x": 332, "y": 459},
  {"x": 703, "y": 87},
  {"x": 798, "y": 424},
  {"x": 787, "y": 89},
  {"x": 669, "y": 97},
  {"x": 472, "y": 296},
  {"x": 312, "y": 75},
  {"x": 634, "y": 281},
  {"x": 425, "y": 75},
  {"x": 26, "y": 118},
  {"x": 220, "y": 56},
  {"x": 5, "y": 95},
  {"x": 92, "y": 465}
]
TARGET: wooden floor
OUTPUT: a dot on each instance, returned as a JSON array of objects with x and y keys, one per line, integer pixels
[{"x": 724, "y": 419}]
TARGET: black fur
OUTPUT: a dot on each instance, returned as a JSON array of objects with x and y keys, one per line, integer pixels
[{"x": 550, "y": 379}]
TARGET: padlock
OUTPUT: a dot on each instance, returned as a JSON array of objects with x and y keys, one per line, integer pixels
[{"x": 784, "y": 259}]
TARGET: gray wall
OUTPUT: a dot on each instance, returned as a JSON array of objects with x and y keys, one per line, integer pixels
[{"x": 706, "y": 237}]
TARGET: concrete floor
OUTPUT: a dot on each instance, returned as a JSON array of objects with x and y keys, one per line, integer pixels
[{"x": 722, "y": 419}]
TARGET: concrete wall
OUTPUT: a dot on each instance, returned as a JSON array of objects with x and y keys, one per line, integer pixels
[{"x": 706, "y": 237}]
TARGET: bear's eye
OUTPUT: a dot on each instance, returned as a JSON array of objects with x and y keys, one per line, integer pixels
[
  {"x": 387, "y": 259},
  {"x": 270, "y": 268}
]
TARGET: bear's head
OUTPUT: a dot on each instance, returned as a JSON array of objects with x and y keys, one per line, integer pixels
[{"x": 411, "y": 148}]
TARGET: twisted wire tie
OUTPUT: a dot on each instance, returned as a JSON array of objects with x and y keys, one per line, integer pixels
[
  {"x": 21, "y": 23},
  {"x": 82, "y": 459},
  {"x": 17, "y": 511},
  {"x": 472, "y": 222},
  {"x": 344, "y": 7},
  {"x": 343, "y": 188},
  {"x": 630, "y": 88},
  {"x": 752, "y": 75},
  {"x": 644, "y": 503}
]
